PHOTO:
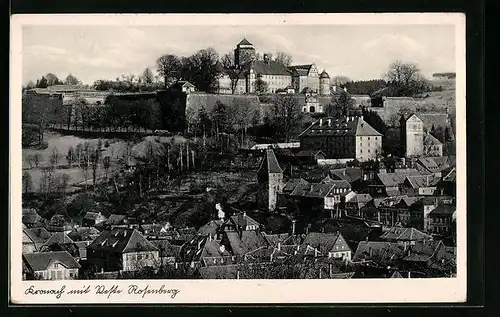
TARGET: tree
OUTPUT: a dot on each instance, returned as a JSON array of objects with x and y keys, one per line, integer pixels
[
  {"x": 71, "y": 80},
  {"x": 202, "y": 69},
  {"x": 30, "y": 85},
  {"x": 147, "y": 76},
  {"x": 283, "y": 58},
  {"x": 235, "y": 72},
  {"x": 36, "y": 159},
  {"x": 220, "y": 118},
  {"x": 168, "y": 66},
  {"x": 70, "y": 157},
  {"x": 287, "y": 115},
  {"x": 340, "y": 105},
  {"x": 260, "y": 86},
  {"x": 340, "y": 81},
  {"x": 52, "y": 80},
  {"x": 406, "y": 78},
  {"x": 42, "y": 83},
  {"x": 54, "y": 156},
  {"x": 27, "y": 182}
]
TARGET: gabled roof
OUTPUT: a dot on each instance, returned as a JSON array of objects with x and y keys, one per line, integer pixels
[
  {"x": 269, "y": 68},
  {"x": 361, "y": 198},
  {"x": 83, "y": 233},
  {"x": 424, "y": 250},
  {"x": 166, "y": 249},
  {"x": 340, "y": 127},
  {"x": 219, "y": 272},
  {"x": 350, "y": 174},
  {"x": 396, "y": 178},
  {"x": 93, "y": 215},
  {"x": 39, "y": 261},
  {"x": 405, "y": 234},
  {"x": 301, "y": 70},
  {"x": 443, "y": 209},
  {"x": 115, "y": 219},
  {"x": 382, "y": 253},
  {"x": 37, "y": 235},
  {"x": 59, "y": 237},
  {"x": 451, "y": 176},
  {"x": 211, "y": 227},
  {"x": 326, "y": 242},
  {"x": 122, "y": 240},
  {"x": 249, "y": 240},
  {"x": 313, "y": 190},
  {"x": 419, "y": 181},
  {"x": 270, "y": 163},
  {"x": 336, "y": 183},
  {"x": 429, "y": 139},
  {"x": 274, "y": 239},
  {"x": 293, "y": 183},
  {"x": 30, "y": 216},
  {"x": 242, "y": 220}
]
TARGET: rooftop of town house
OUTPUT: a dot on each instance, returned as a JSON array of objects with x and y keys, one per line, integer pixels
[
  {"x": 40, "y": 261},
  {"x": 352, "y": 126}
]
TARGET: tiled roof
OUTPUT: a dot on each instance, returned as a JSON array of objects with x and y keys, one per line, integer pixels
[
  {"x": 418, "y": 181},
  {"x": 429, "y": 139},
  {"x": 30, "y": 216},
  {"x": 115, "y": 219},
  {"x": 93, "y": 215},
  {"x": 37, "y": 235},
  {"x": 249, "y": 240},
  {"x": 241, "y": 219},
  {"x": 405, "y": 234},
  {"x": 336, "y": 183},
  {"x": 312, "y": 190},
  {"x": 383, "y": 253},
  {"x": 219, "y": 272},
  {"x": 39, "y": 261},
  {"x": 166, "y": 248},
  {"x": 424, "y": 250},
  {"x": 274, "y": 239},
  {"x": 293, "y": 183},
  {"x": 269, "y": 68},
  {"x": 325, "y": 242},
  {"x": 266, "y": 254},
  {"x": 59, "y": 237},
  {"x": 451, "y": 176},
  {"x": 396, "y": 178},
  {"x": 121, "y": 240},
  {"x": 210, "y": 227},
  {"x": 350, "y": 174},
  {"x": 324, "y": 74},
  {"x": 443, "y": 209},
  {"x": 344, "y": 126}
]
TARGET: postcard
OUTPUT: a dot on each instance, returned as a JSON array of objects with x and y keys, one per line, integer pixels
[{"x": 238, "y": 158}]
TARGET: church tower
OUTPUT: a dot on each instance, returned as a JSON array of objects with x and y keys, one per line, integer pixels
[
  {"x": 324, "y": 83},
  {"x": 243, "y": 52},
  {"x": 270, "y": 173}
]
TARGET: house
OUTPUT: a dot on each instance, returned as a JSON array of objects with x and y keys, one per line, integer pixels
[
  {"x": 442, "y": 219},
  {"x": 353, "y": 175},
  {"x": 390, "y": 184},
  {"x": 184, "y": 86},
  {"x": 113, "y": 221},
  {"x": 425, "y": 253},
  {"x": 83, "y": 234},
  {"x": 346, "y": 139},
  {"x": 59, "y": 223},
  {"x": 201, "y": 247},
  {"x": 240, "y": 242},
  {"x": 60, "y": 241},
  {"x": 404, "y": 235},
  {"x": 266, "y": 254},
  {"x": 413, "y": 129},
  {"x": 50, "y": 266},
  {"x": 156, "y": 230},
  {"x": 212, "y": 229},
  {"x": 448, "y": 184},
  {"x": 354, "y": 204},
  {"x": 380, "y": 253},
  {"x": 432, "y": 146},
  {"x": 93, "y": 218},
  {"x": 310, "y": 156},
  {"x": 34, "y": 238},
  {"x": 397, "y": 211},
  {"x": 122, "y": 249},
  {"x": 306, "y": 77},
  {"x": 331, "y": 244},
  {"x": 168, "y": 253},
  {"x": 420, "y": 185}
]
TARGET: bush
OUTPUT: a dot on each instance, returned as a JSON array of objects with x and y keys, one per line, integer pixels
[
  {"x": 44, "y": 145},
  {"x": 106, "y": 144}
]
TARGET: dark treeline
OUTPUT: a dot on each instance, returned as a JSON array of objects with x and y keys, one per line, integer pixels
[
  {"x": 450, "y": 75},
  {"x": 365, "y": 87}
]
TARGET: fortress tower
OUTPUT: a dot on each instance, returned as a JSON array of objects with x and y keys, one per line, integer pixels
[
  {"x": 243, "y": 52},
  {"x": 414, "y": 131},
  {"x": 324, "y": 83},
  {"x": 271, "y": 173}
]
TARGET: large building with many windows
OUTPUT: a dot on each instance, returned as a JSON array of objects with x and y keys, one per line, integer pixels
[
  {"x": 297, "y": 78},
  {"x": 345, "y": 138}
]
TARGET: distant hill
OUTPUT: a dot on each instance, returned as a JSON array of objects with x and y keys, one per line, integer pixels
[{"x": 448, "y": 75}]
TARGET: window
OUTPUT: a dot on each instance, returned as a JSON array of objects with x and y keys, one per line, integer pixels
[
  {"x": 139, "y": 257},
  {"x": 368, "y": 139},
  {"x": 56, "y": 265}
]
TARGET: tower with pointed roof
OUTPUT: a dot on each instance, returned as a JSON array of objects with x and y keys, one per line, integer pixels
[
  {"x": 243, "y": 52},
  {"x": 324, "y": 83},
  {"x": 270, "y": 173}
]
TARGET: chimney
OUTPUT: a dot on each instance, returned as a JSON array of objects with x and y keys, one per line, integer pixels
[
  {"x": 347, "y": 119},
  {"x": 293, "y": 227},
  {"x": 331, "y": 269},
  {"x": 329, "y": 122},
  {"x": 370, "y": 251},
  {"x": 334, "y": 88},
  {"x": 320, "y": 122},
  {"x": 266, "y": 58},
  {"x": 279, "y": 246},
  {"x": 409, "y": 274},
  {"x": 238, "y": 275},
  {"x": 319, "y": 272},
  {"x": 244, "y": 214},
  {"x": 427, "y": 180},
  {"x": 345, "y": 89},
  {"x": 315, "y": 252}
]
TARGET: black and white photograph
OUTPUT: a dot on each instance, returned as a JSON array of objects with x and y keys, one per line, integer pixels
[{"x": 303, "y": 148}]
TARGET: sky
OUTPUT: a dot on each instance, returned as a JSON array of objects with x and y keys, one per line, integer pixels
[{"x": 360, "y": 52}]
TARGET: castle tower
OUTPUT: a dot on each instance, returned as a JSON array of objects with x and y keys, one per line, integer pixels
[
  {"x": 243, "y": 52},
  {"x": 414, "y": 136},
  {"x": 270, "y": 173},
  {"x": 324, "y": 83}
]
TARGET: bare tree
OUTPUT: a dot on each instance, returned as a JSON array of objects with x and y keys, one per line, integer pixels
[
  {"x": 71, "y": 80},
  {"x": 27, "y": 182},
  {"x": 406, "y": 77},
  {"x": 340, "y": 81},
  {"x": 169, "y": 67},
  {"x": 287, "y": 115},
  {"x": 70, "y": 157},
  {"x": 283, "y": 58},
  {"x": 54, "y": 156}
]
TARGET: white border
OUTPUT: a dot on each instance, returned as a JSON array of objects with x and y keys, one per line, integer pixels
[{"x": 243, "y": 291}]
